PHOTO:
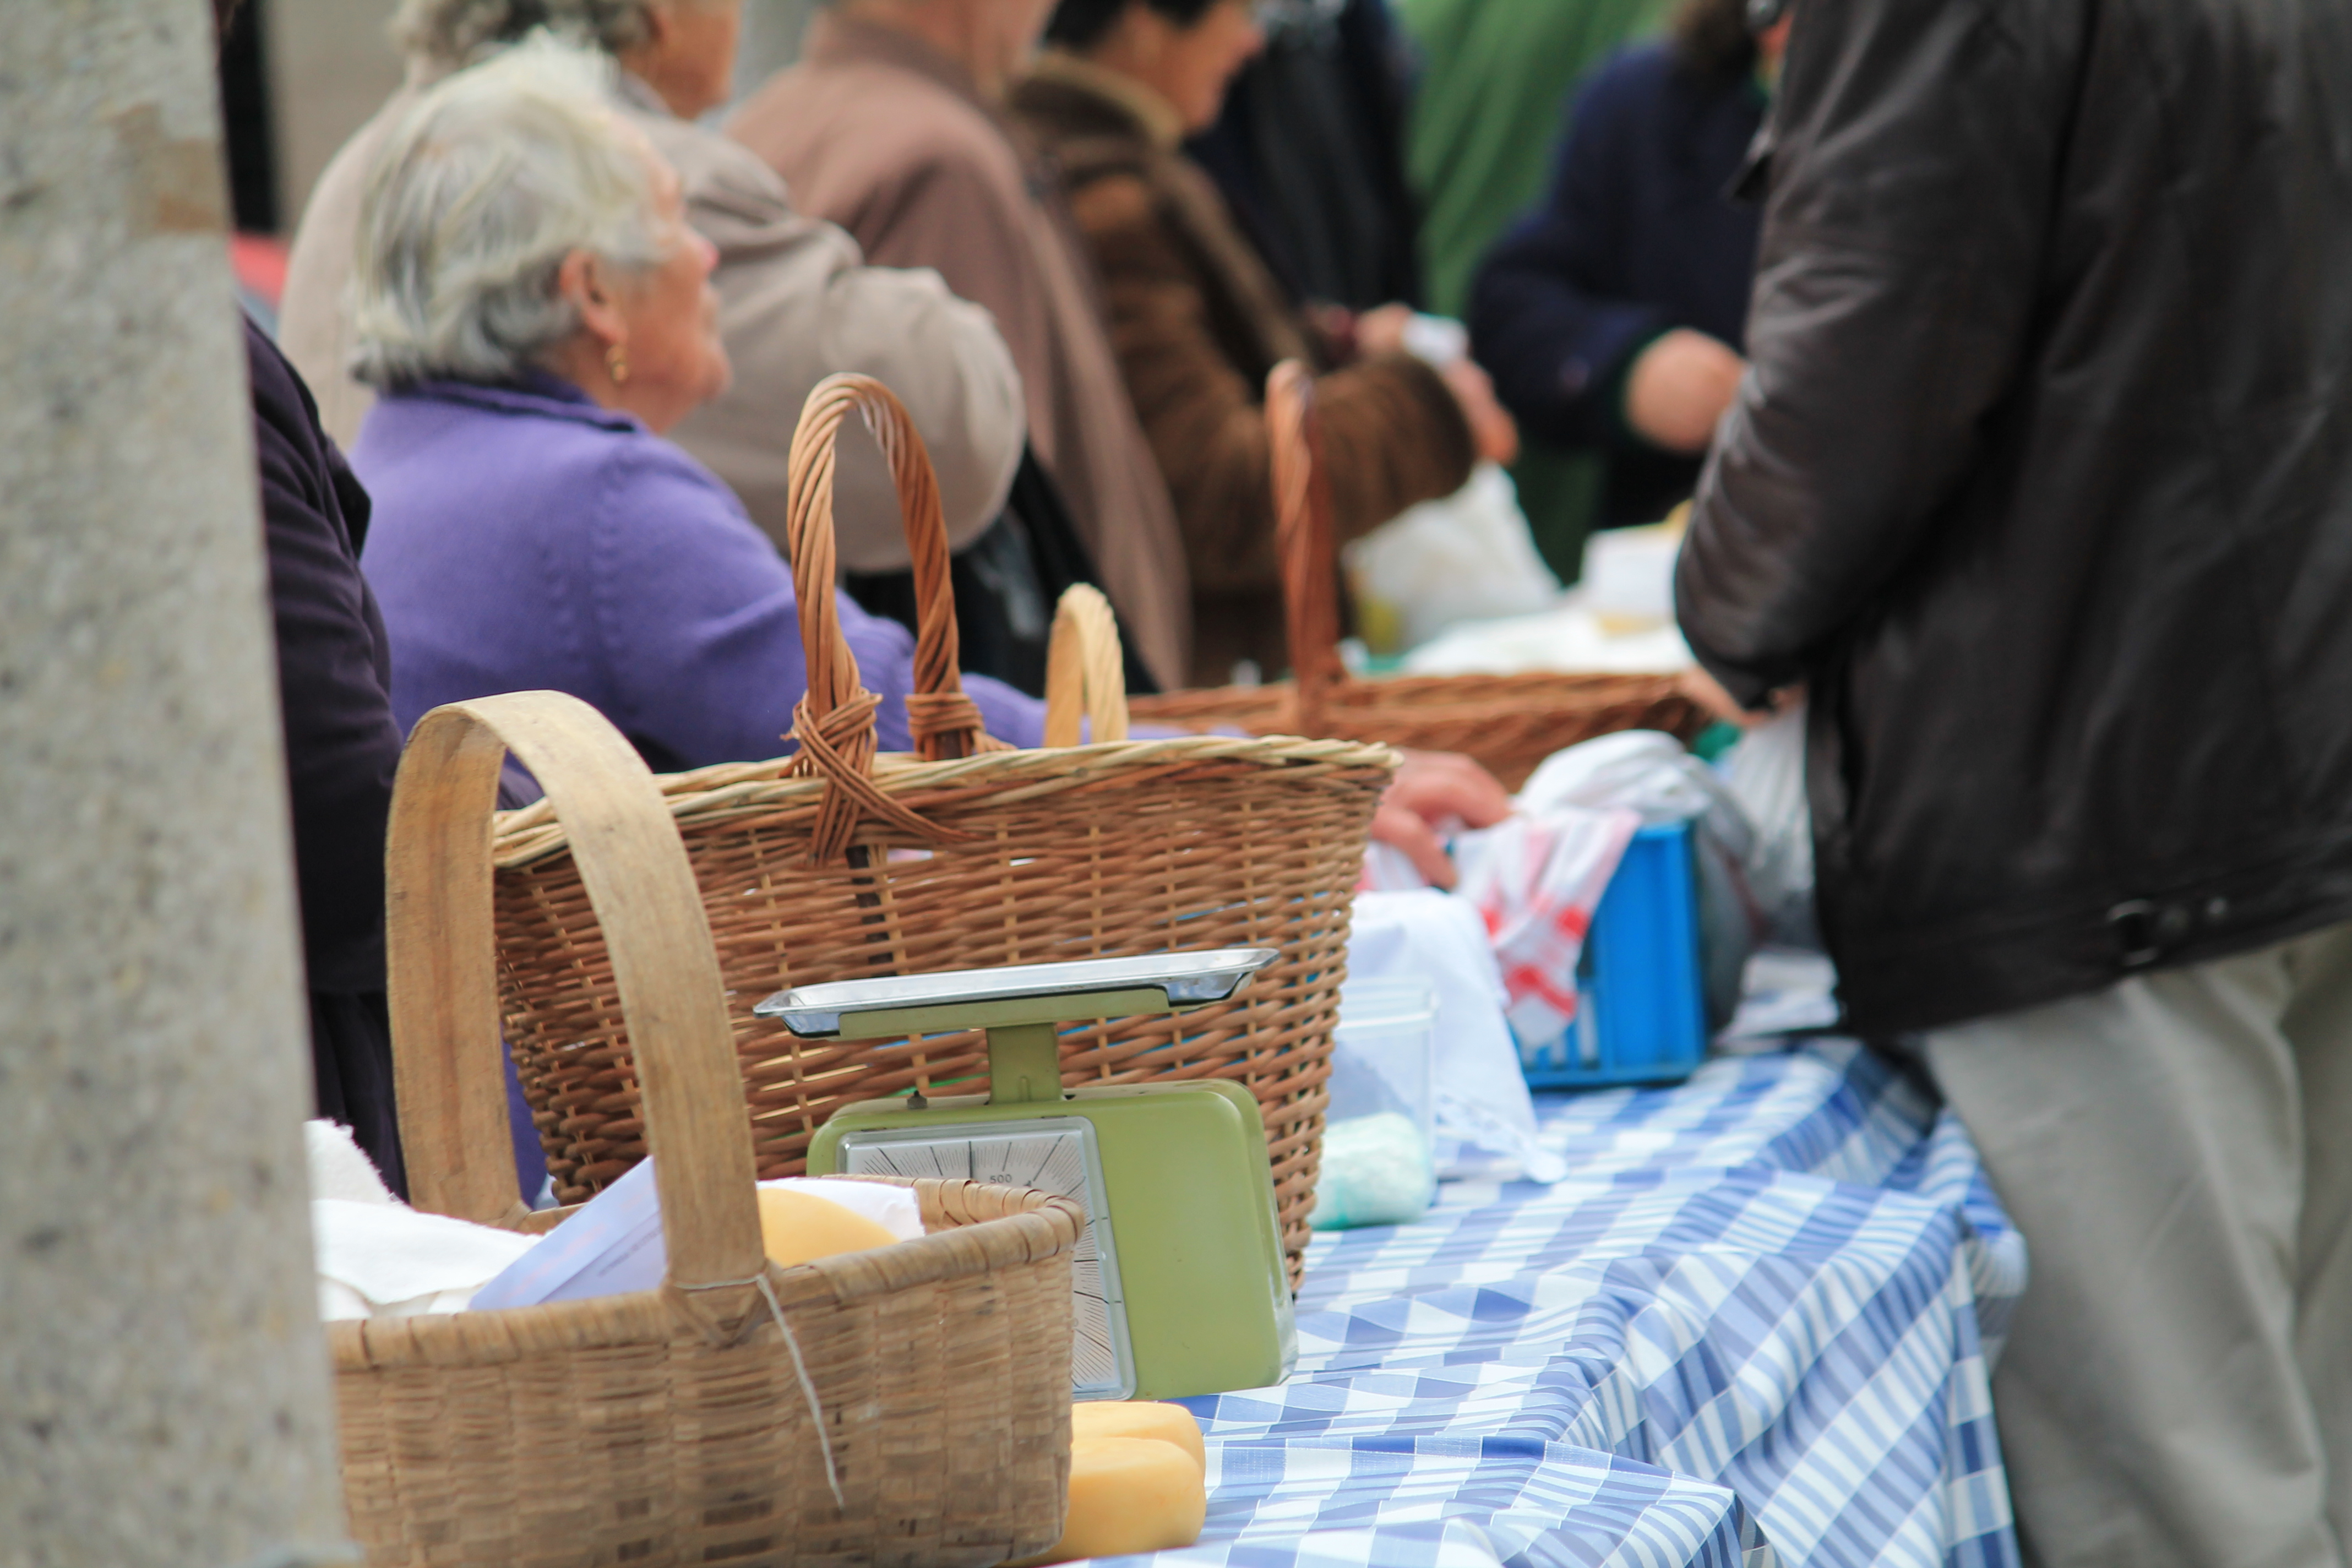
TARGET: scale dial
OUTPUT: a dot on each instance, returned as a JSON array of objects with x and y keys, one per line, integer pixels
[{"x": 1052, "y": 1155}]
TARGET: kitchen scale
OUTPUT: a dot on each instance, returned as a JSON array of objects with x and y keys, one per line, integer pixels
[{"x": 1178, "y": 1279}]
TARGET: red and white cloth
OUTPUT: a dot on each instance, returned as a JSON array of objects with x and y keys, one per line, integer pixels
[{"x": 1536, "y": 880}]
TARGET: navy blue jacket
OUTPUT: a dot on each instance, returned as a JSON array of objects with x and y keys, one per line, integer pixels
[{"x": 1637, "y": 236}]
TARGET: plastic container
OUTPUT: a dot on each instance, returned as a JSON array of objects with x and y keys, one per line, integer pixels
[
  {"x": 1384, "y": 1053},
  {"x": 1379, "y": 1163},
  {"x": 1640, "y": 1014}
]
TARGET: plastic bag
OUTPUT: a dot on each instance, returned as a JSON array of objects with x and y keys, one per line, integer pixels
[
  {"x": 1766, "y": 774},
  {"x": 1463, "y": 557}
]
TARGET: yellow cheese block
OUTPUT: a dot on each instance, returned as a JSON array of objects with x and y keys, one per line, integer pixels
[
  {"x": 1140, "y": 1419},
  {"x": 797, "y": 1226},
  {"x": 1128, "y": 1494}
]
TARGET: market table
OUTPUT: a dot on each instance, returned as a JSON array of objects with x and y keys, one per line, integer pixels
[{"x": 1752, "y": 1327}]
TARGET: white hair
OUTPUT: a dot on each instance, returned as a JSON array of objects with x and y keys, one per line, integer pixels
[{"x": 491, "y": 180}]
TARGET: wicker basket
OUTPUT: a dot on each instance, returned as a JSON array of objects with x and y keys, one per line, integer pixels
[
  {"x": 839, "y": 864},
  {"x": 1086, "y": 671},
  {"x": 1509, "y": 722},
  {"x": 678, "y": 1425}
]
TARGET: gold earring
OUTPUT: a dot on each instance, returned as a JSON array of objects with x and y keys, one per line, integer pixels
[{"x": 616, "y": 363}]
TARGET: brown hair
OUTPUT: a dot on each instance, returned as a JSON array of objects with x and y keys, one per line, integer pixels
[
  {"x": 1080, "y": 24},
  {"x": 1711, "y": 38}
]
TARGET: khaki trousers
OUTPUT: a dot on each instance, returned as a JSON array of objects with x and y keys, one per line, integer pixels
[{"x": 2178, "y": 1151}]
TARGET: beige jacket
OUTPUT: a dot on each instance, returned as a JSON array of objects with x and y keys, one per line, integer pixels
[
  {"x": 797, "y": 303},
  {"x": 890, "y": 139}
]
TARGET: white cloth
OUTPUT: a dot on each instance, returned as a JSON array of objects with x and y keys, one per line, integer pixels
[
  {"x": 388, "y": 1260},
  {"x": 1482, "y": 1095},
  {"x": 337, "y": 1167},
  {"x": 377, "y": 1257}
]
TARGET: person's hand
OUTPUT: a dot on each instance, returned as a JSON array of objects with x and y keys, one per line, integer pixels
[
  {"x": 1708, "y": 693},
  {"x": 1492, "y": 429},
  {"x": 1381, "y": 330},
  {"x": 1434, "y": 790},
  {"x": 1679, "y": 388}
]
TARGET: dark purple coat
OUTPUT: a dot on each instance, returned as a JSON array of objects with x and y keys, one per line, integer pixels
[{"x": 334, "y": 677}]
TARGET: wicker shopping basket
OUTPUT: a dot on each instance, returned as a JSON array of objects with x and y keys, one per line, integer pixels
[
  {"x": 838, "y": 863},
  {"x": 1086, "y": 670},
  {"x": 1509, "y": 722},
  {"x": 908, "y": 1405}
]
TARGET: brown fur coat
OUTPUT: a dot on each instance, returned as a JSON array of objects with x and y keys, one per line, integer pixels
[{"x": 1197, "y": 322}]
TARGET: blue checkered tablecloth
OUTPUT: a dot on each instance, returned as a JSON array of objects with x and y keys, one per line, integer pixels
[{"x": 1752, "y": 1327}]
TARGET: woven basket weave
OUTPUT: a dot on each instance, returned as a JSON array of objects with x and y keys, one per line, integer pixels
[
  {"x": 839, "y": 864},
  {"x": 1508, "y": 722},
  {"x": 930, "y": 1424}
]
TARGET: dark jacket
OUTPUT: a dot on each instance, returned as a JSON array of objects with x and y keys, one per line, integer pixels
[
  {"x": 1309, "y": 153},
  {"x": 1197, "y": 320},
  {"x": 1637, "y": 236},
  {"x": 334, "y": 680},
  {"x": 2043, "y": 481},
  {"x": 1007, "y": 583}
]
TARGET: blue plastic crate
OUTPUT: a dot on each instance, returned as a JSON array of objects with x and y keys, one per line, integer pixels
[{"x": 1639, "y": 1017}]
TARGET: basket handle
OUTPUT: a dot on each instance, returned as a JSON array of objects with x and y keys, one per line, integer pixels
[
  {"x": 439, "y": 953},
  {"x": 1086, "y": 671},
  {"x": 834, "y": 719},
  {"x": 1308, "y": 542}
]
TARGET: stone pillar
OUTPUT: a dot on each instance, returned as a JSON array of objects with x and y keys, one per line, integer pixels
[{"x": 163, "y": 1389}]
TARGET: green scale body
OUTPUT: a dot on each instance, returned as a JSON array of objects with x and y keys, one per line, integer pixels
[{"x": 1179, "y": 1282}]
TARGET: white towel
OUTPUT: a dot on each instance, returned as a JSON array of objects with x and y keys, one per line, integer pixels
[
  {"x": 338, "y": 1169},
  {"x": 377, "y": 1257},
  {"x": 387, "y": 1260}
]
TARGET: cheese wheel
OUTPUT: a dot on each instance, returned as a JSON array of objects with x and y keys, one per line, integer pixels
[
  {"x": 797, "y": 1226},
  {"x": 1128, "y": 1494},
  {"x": 1140, "y": 1419}
]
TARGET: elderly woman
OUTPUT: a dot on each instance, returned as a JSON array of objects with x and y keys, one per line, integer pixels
[
  {"x": 796, "y": 301},
  {"x": 1198, "y": 320},
  {"x": 533, "y": 312}
]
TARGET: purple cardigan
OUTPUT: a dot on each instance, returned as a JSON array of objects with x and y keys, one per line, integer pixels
[{"x": 527, "y": 539}]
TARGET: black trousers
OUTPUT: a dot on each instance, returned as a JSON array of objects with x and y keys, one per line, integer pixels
[{"x": 351, "y": 1054}]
